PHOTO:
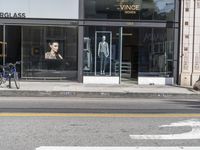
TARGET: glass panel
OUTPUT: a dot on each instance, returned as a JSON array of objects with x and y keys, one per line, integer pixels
[
  {"x": 101, "y": 51},
  {"x": 1, "y": 45},
  {"x": 156, "y": 52},
  {"x": 50, "y": 52},
  {"x": 158, "y": 10},
  {"x": 130, "y": 54},
  {"x": 130, "y": 9},
  {"x": 13, "y": 47}
]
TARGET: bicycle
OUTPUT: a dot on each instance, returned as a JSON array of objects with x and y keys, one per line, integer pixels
[{"x": 8, "y": 72}]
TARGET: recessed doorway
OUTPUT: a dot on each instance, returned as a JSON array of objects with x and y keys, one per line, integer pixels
[{"x": 129, "y": 66}]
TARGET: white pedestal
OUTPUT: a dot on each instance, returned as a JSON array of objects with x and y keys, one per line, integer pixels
[
  {"x": 100, "y": 80},
  {"x": 155, "y": 81}
]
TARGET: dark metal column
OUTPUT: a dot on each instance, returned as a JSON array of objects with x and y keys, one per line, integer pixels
[
  {"x": 177, "y": 42},
  {"x": 120, "y": 60},
  {"x": 4, "y": 45},
  {"x": 176, "y": 56},
  {"x": 80, "y": 41}
]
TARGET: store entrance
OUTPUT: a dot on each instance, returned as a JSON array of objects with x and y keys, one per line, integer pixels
[
  {"x": 10, "y": 45},
  {"x": 130, "y": 46},
  {"x": 13, "y": 46}
]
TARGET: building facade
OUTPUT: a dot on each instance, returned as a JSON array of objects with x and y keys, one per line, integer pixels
[
  {"x": 100, "y": 41},
  {"x": 190, "y": 42}
]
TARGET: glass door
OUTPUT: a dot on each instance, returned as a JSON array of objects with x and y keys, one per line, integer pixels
[
  {"x": 129, "y": 60},
  {"x": 13, "y": 44}
]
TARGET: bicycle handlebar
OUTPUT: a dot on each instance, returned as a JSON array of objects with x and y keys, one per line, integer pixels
[
  {"x": 16, "y": 63},
  {"x": 11, "y": 64}
]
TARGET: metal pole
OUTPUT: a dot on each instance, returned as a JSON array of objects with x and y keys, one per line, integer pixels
[
  {"x": 110, "y": 53},
  {"x": 22, "y": 51},
  {"x": 95, "y": 57},
  {"x": 120, "y": 53},
  {"x": 4, "y": 44}
]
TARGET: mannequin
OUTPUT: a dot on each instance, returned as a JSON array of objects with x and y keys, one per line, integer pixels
[{"x": 103, "y": 53}]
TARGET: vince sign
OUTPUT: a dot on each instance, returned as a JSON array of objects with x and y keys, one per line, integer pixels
[{"x": 128, "y": 7}]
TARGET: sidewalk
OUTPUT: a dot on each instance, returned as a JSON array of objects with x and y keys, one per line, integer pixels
[{"x": 74, "y": 89}]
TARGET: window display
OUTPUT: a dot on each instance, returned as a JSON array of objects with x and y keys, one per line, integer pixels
[
  {"x": 49, "y": 52},
  {"x": 101, "y": 51},
  {"x": 156, "y": 52}
]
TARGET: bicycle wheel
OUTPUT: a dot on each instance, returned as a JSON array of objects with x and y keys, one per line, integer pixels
[{"x": 16, "y": 80}]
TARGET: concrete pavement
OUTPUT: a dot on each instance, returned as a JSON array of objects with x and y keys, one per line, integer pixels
[{"x": 74, "y": 89}]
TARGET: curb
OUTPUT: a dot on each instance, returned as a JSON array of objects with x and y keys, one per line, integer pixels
[{"x": 15, "y": 93}]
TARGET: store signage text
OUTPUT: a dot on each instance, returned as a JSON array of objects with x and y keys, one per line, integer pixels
[
  {"x": 128, "y": 7},
  {"x": 12, "y": 15}
]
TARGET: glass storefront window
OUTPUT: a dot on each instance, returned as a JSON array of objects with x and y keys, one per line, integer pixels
[
  {"x": 101, "y": 52},
  {"x": 130, "y": 9},
  {"x": 149, "y": 50},
  {"x": 49, "y": 52},
  {"x": 156, "y": 52}
]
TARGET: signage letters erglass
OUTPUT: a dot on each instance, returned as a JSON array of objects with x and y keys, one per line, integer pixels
[{"x": 12, "y": 15}]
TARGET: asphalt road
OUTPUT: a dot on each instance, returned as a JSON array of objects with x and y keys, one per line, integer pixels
[
  {"x": 28, "y": 123},
  {"x": 97, "y": 105}
]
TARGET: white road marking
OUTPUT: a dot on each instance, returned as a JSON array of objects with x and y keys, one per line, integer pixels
[
  {"x": 194, "y": 134},
  {"x": 118, "y": 148}
]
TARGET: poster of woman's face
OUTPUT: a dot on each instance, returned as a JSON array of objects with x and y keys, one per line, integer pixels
[
  {"x": 54, "y": 46},
  {"x": 53, "y": 52}
]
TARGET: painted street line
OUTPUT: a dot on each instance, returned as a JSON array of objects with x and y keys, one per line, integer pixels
[
  {"x": 194, "y": 134},
  {"x": 118, "y": 148}
]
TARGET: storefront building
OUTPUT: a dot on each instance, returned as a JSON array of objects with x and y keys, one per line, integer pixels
[
  {"x": 143, "y": 41},
  {"x": 190, "y": 42},
  {"x": 99, "y": 41},
  {"x": 28, "y": 27}
]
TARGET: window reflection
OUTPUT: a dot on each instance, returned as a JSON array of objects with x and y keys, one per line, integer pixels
[
  {"x": 130, "y": 9},
  {"x": 164, "y": 9},
  {"x": 1, "y": 45},
  {"x": 50, "y": 52},
  {"x": 101, "y": 51},
  {"x": 156, "y": 52}
]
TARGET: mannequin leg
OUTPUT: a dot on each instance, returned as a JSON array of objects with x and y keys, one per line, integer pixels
[
  {"x": 101, "y": 63},
  {"x": 104, "y": 64}
]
